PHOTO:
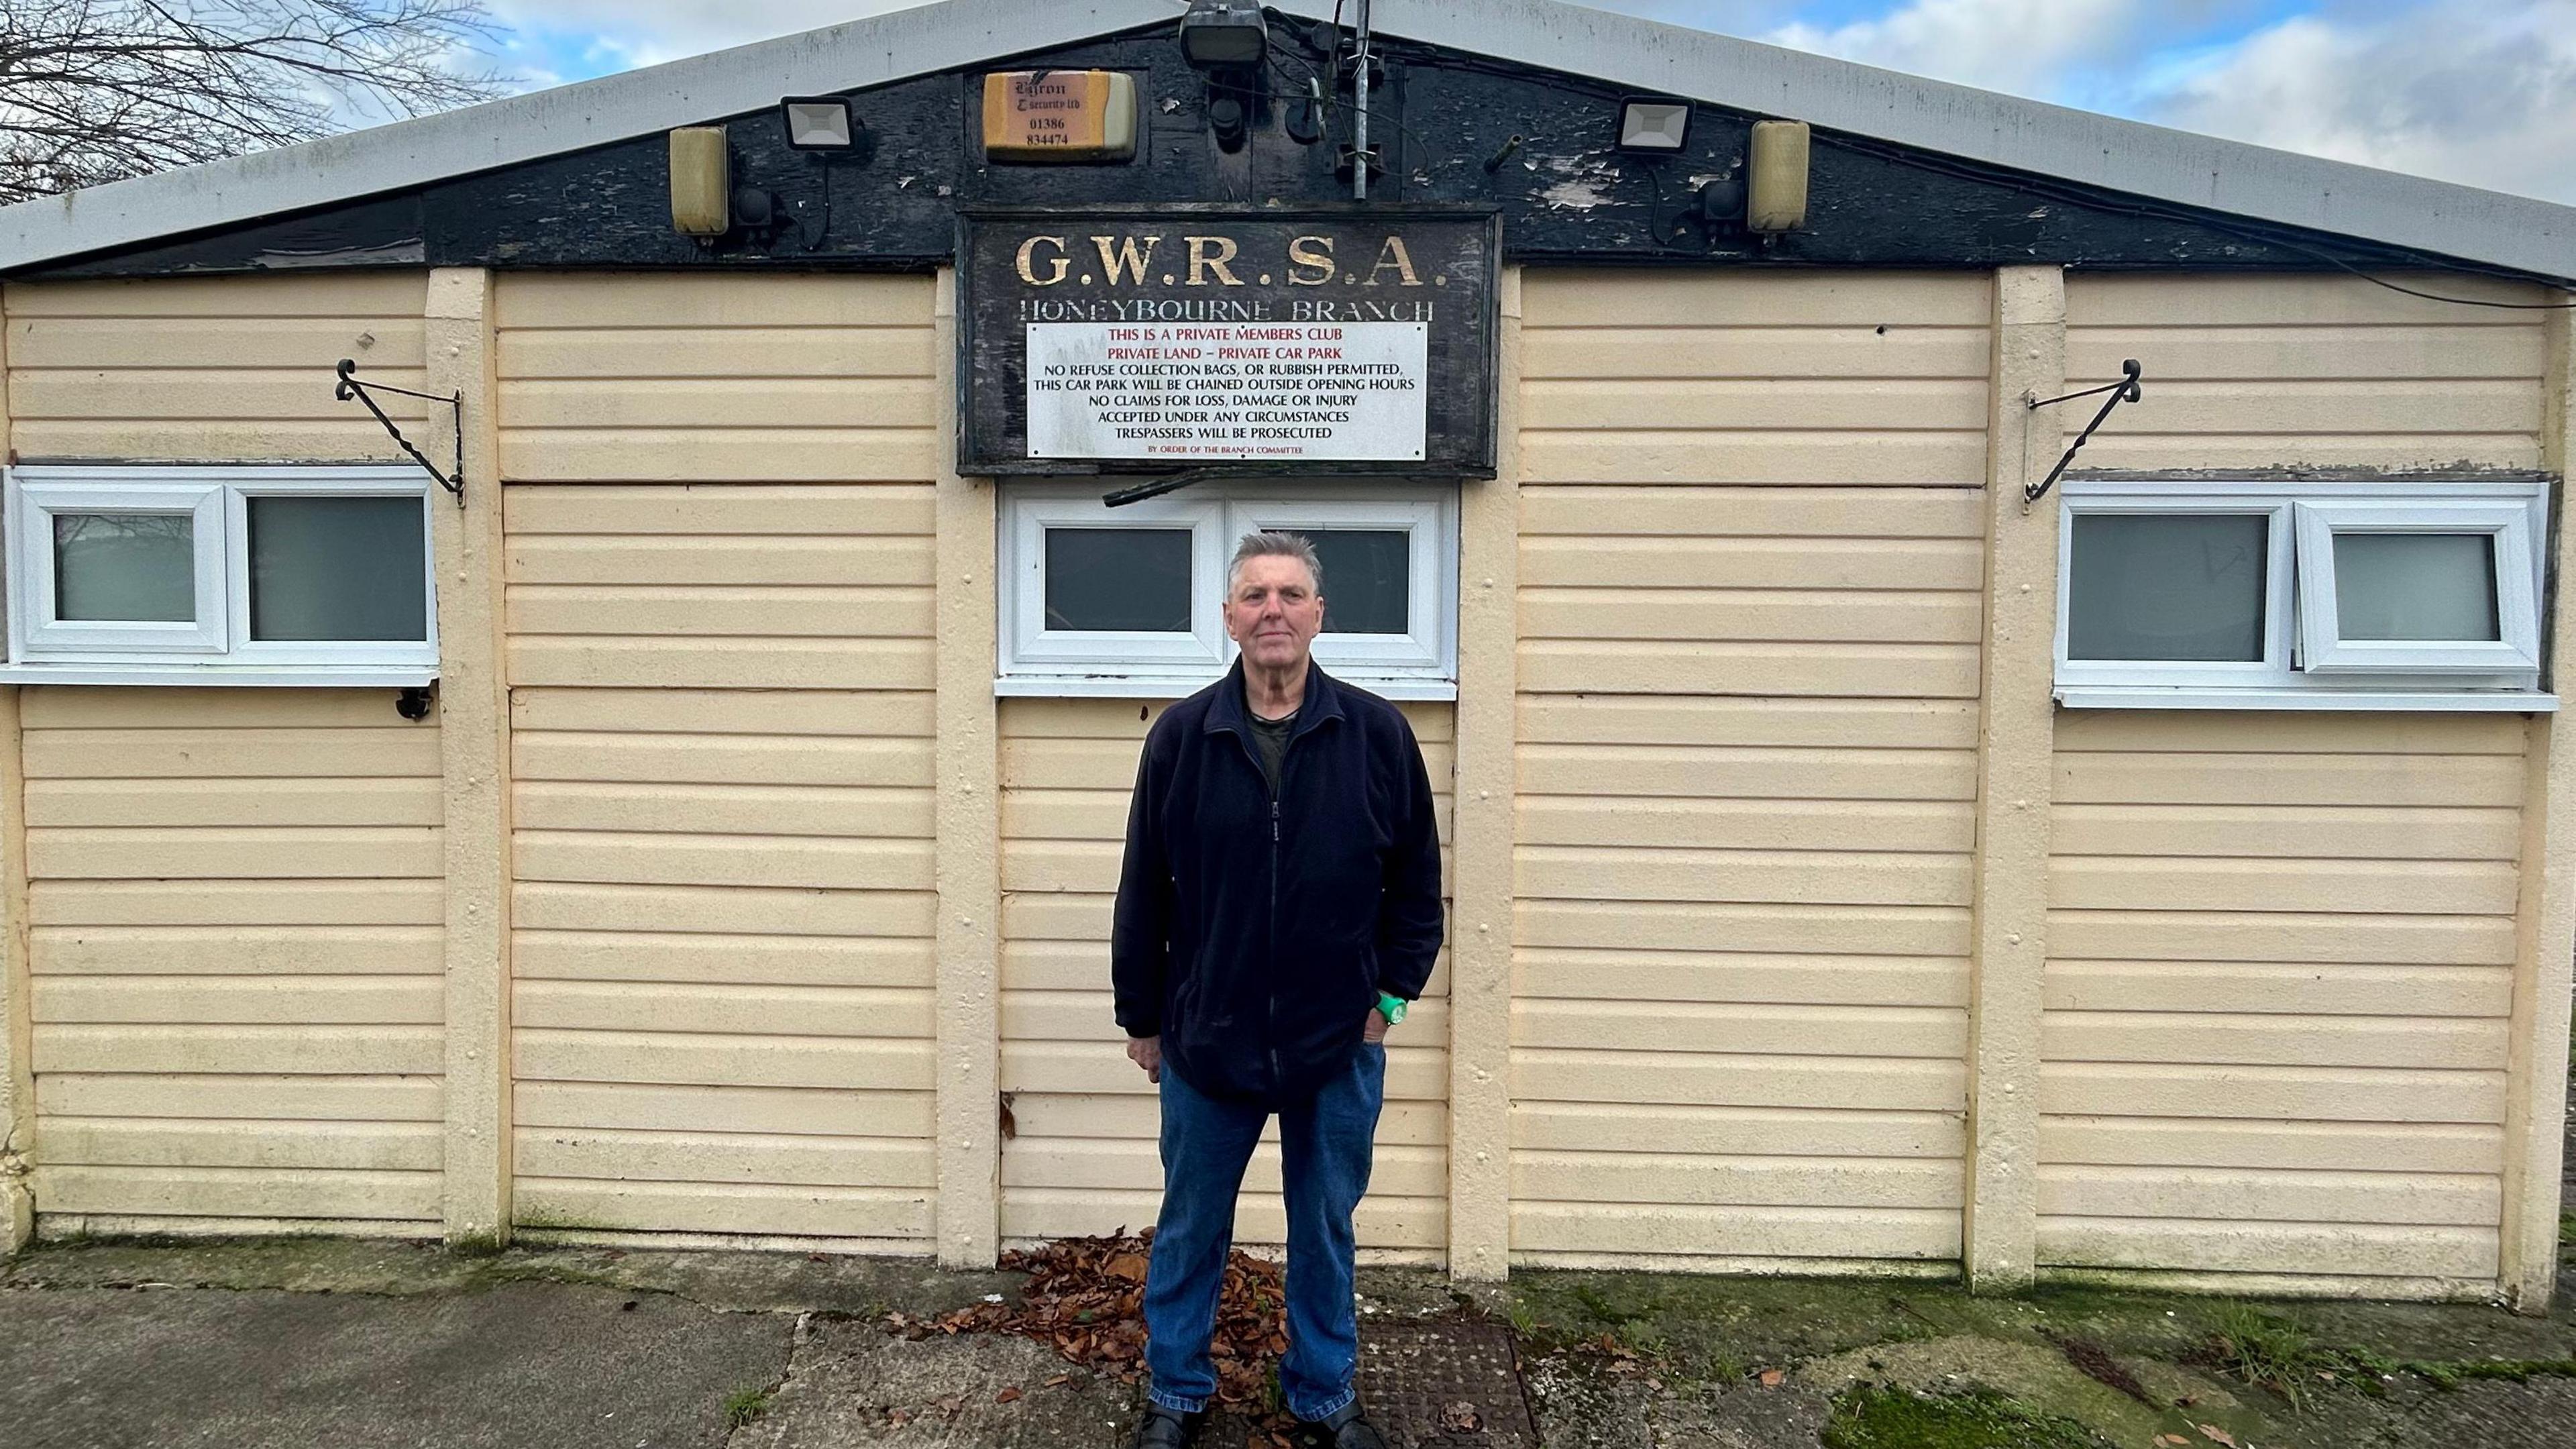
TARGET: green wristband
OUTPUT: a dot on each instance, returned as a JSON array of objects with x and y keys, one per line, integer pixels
[{"x": 1392, "y": 1007}]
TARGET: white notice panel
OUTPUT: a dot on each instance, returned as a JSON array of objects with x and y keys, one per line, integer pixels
[{"x": 1274, "y": 391}]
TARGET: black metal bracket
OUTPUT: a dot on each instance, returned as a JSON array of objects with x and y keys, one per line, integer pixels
[
  {"x": 2125, "y": 390},
  {"x": 1168, "y": 483},
  {"x": 352, "y": 386}
]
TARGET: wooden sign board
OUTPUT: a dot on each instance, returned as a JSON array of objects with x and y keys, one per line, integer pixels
[
  {"x": 1060, "y": 115},
  {"x": 1332, "y": 341}
]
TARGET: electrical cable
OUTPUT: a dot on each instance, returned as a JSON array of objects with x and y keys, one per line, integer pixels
[
  {"x": 1998, "y": 176},
  {"x": 2075, "y": 197},
  {"x": 1419, "y": 150}
]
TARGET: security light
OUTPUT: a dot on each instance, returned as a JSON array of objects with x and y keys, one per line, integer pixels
[
  {"x": 819, "y": 123},
  {"x": 1654, "y": 125},
  {"x": 1225, "y": 34}
]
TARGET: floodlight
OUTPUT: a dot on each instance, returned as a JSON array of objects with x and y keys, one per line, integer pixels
[
  {"x": 819, "y": 123},
  {"x": 1654, "y": 125},
  {"x": 1225, "y": 34}
]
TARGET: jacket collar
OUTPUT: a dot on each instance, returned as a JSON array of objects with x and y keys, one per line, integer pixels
[{"x": 1227, "y": 712}]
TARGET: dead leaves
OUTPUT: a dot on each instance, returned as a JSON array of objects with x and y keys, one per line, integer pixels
[
  {"x": 1460, "y": 1417},
  {"x": 1085, "y": 1299}
]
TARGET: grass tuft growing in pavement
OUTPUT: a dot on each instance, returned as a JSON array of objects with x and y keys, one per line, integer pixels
[
  {"x": 1873, "y": 1416},
  {"x": 744, "y": 1405},
  {"x": 2263, "y": 1349}
]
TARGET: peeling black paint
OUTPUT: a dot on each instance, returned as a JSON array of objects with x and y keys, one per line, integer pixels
[{"x": 1565, "y": 194}]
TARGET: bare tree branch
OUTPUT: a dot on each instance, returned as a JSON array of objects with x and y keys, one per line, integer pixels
[{"x": 97, "y": 90}]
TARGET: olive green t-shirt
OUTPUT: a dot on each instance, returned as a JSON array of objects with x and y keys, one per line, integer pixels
[{"x": 1270, "y": 742}]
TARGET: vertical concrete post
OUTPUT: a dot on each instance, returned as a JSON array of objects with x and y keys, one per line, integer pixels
[
  {"x": 969, "y": 843},
  {"x": 2545, "y": 921},
  {"x": 17, "y": 988},
  {"x": 474, "y": 750},
  {"x": 1485, "y": 790},
  {"x": 2015, "y": 738},
  {"x": 17, "y": 984}
]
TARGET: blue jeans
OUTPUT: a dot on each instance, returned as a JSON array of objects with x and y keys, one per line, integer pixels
[{"x": 1324, "y": 1146}]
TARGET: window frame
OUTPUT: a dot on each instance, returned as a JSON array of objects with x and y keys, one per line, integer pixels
[
  {"x": 2516, "y": 649},
  {"x": 220, "y": 650},
  {"x": 2294, "y": 673},
  {"x": 1025, "y": 635},
  {"x": 1033, "y": 661},
  {"x": 36, "y": 625},
  {"x": 2279, "y": 570}
]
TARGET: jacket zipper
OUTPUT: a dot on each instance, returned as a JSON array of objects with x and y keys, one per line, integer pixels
[
  {"x": 1270, "y": 937},
  {"x": 1271, "y": 1029}
]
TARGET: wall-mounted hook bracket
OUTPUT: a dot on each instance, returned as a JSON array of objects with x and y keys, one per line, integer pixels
[
  {"x": 352, "y": 386},
  {"x": 2125, "y": 390}
]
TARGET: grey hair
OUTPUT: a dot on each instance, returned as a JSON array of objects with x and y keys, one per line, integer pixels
[{"x": 1270, "y": 544}]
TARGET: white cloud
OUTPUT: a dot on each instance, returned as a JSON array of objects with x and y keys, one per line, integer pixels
[
  {"x": 2483, "y": 94},
  {"x": 648, "y": 32},
  {"x": 2022, "y": 46}
]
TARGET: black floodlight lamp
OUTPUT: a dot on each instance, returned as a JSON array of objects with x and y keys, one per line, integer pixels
[
  {"x": 1219, "y": 35},
  {"x": 820, "y": 123},
  {"x": 1654, "y": 126}
]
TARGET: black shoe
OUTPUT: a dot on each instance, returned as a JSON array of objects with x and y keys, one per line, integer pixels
[
  {"x": 1163, "y": 1428},
  {"x": 1348, "y": 1428}
]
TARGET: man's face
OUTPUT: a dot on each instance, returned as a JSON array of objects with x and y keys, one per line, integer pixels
[{"x": 1273, "y": 611}]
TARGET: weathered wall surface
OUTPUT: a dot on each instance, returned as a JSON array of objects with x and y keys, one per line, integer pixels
[
  {"x": 234, "y": 894},
  {"x": 2273, "y": 371},
  {"x": 719, "y": 567},
  {"x": 1749, "y": 605},
  {"x": 1083, "y": 1160},
  {"x": 2282, "y": 946},
  {"x": 232, "y": 369}
]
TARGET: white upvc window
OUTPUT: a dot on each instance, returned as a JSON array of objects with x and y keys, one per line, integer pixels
[
  {"x": 280, "y": 574},
  {"x": 1128, "y": 601},
  {"x": 2301, "y": 595}
]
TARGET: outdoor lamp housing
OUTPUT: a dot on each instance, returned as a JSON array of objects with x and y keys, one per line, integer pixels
[
  {"x": 1225, "y": 34},
  {"x": 1776, "y": 177},
  {"x": 701, "y": 182},
  {"x": 819, "y": 123},
  {"x": 1654, "y": 126}
]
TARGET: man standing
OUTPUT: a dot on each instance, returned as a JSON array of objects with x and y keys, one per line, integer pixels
[{"x": 1279, "y": 906}]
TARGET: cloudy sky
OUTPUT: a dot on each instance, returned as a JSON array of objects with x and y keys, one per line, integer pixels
[{"x": 2475, "y": 91}]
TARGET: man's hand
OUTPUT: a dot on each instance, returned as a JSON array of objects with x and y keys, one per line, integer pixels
[
  {"x": 1147, "y": 1052},
  {"x": 1374, "y": 1030}
]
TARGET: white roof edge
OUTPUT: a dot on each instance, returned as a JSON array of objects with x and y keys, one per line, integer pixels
[
  {"x": 873, "y": 51},
  {"x": 2129, "y": 156},
  {"x": 2180, "y": 167}
]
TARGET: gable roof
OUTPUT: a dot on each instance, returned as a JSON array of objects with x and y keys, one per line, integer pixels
[{"x": 2254, "y": 182}]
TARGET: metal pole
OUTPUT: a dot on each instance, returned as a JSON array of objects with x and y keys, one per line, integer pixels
[{"x": 1360, "y": 112}]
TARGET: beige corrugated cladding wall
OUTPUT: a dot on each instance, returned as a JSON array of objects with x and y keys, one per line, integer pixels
[
  {"x": 2282, "y": 982},
  {"x": 719, "y": 564},
  {"x": 2281, "y": 950},
  {"x": 234, "y": 894},
  {"x": 1750, "y": 590}
]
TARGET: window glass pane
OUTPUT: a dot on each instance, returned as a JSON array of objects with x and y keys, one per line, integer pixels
[
  {"x": 1368, "y": 579},
  {"x": 337, "y": 568},
  {"x": 2167, "y": 586},
  {"x": 1133, "y": 579},
  {"x": 125, "y": 567},
  {"x": 2415, "y": 586}
]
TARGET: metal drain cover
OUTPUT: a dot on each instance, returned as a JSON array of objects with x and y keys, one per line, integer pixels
[{"x": 1414, "y": 1377}]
